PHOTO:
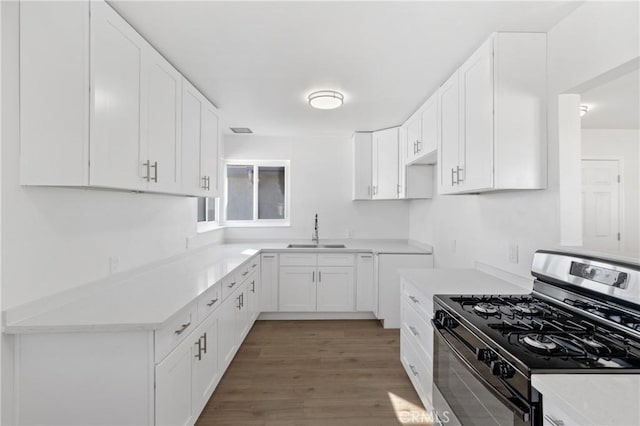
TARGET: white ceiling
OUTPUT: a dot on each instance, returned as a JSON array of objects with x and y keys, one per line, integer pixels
[
  {"x": 257, "y": 61},
  {"x": 613, "y": 105}
]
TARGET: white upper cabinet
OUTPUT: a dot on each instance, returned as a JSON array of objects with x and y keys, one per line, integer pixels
[
  {"x": 422, "y": 133},
  {"x": 110, "y": 114},
  {"x": 116, "y": 64},
  {"x": 493, "y": 130},
  {"x": 200, "y": 141},
  {"x": 161, "y": 123},
  {"x": 385, "y": 164},
  {"x": 362, "y": 162}
]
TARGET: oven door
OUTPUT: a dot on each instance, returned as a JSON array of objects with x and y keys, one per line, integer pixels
[{"x": 465, "y": 392}]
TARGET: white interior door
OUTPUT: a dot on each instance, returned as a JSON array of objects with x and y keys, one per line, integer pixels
[{"x": 601, "y": 204}]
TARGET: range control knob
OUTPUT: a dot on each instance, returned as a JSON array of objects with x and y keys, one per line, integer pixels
[
  {"x": 450, "y": 322},
  {"x": 485, "y": 355},
  {"x": 502, "y": 370}
]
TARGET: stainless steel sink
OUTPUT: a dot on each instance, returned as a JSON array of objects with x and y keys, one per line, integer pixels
[{"x": 316, "y": 246}]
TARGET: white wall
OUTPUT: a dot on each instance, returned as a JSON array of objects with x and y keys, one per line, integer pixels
[
  {"x": 321, "y": 169},
  {"x": 596, "y": 37},
  {"x": 624, "y": 143},
  {"x": 56, "y": 238}
]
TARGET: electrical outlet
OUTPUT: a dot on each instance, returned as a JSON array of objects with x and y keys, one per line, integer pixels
[
  {"x": 454, "y": 246},
  {"x": 513, "y": 252},
  {"x": 114, "y": 264}
]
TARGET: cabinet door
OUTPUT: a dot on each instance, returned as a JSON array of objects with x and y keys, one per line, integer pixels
[
  {"x": 173, "y": 387},
  {"x": 362, "y": 163},
  {"x": 476, "y": 118},
  {"x": 448, "y": 149},
  {"x": 253, "y": 293},
  {"x": 192, "y": 104},
  {"x": 297, "y": 289},
  {"x": 205, "y": 373},
  {"x": 269, "y": 283},
  {"x": 365, "y": 285},
  {"x": 162, "y": 104},
  {"x": 414, "y": 135},
  {"x": 429, "y": 140},
  {"x": 243, "y": 315},
  {"x": 335, "y": 289},
  {"x": 227, "y": 342},
  {"x": 385, "y": 164},
  {"x": 116, "y": 58},
  {"x": 209, "y": 149}
]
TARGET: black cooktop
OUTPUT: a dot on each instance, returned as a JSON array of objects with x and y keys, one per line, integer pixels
[{"x": 540, "y": 336}]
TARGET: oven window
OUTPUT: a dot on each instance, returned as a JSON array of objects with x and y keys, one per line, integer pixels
[{"x": 470, "y": 403}]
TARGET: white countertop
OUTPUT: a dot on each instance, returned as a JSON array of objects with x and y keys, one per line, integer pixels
[
  {"x": 463, "y": 281},
  {"x": 145, "y": 299},
  {"x": 593, "y": 399}
]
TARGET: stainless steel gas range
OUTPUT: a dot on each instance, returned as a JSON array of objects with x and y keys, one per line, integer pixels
[{"x": 583, "y": 316}]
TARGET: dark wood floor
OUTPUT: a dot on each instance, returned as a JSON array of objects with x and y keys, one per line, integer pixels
[{"x": 315, "y": 373}]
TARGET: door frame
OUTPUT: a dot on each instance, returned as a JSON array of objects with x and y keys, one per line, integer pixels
[{"x": 621, "y": 217}]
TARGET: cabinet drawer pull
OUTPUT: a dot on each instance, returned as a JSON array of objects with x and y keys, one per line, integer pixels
[
  {"x": 554, "y": 422},
  {"x": 366, "y": 256},
  {"x": 268, "y": 256},
  {"x": 313, "y": 276},
  {"x": 414, "y": 331},
  {"x": 212, "y": 302},
  {"x": 198, "y": 354},
  {"x": 230, "y": 285},
  {"x": 244, "y": 274},
  {"x": 319, "y": 276},
  {"x": 253, "y": 286},
  {"x": 414, "y": 300},
  {"x": 413, "y": 370},
  {"x": 254, "y": 265},
  {"x": 154, "y": 166},
  {"x": 183, "y": 328}
]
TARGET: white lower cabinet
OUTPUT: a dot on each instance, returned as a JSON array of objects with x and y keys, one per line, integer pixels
[
  {"x": 334, "y": 290},
  {"x": 366, "y": 288},
  {"x": 319, "y": 283},
  {"x": 269, "y": 282},
  {"x": 187, "y": 377},
  {"x": 297, "y": 289},
  {"x": 416, "y": 342}
]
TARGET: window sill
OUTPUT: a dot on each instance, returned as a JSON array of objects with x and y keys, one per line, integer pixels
[
  {"x": 257, "y": 224},
  {"x": 208, "y": 227}
]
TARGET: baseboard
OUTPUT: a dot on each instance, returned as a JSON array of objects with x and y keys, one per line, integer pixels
[{"x": 316, "y": 316}]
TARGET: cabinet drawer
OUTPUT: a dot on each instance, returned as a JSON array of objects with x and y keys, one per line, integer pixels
[
  {"x": 418, "y": 300},
  {"x": 420, "y": 376},
  {"x": 298, "y": 259},
  {"x": 242, "y": 273},
  {"x": 254, "y": 264},
  {"x": 175, "y": 331},
  {"x": 335, "y": 259},
  {"x": 229, "y": 284},
  {"x": 209, "y": 301},
  {"x": 418, "y": 331}
]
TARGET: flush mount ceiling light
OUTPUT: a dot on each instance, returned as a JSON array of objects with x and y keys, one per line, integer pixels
[
  {"x": 583, "y": 110},
  {"x": 326, "y": 99}
]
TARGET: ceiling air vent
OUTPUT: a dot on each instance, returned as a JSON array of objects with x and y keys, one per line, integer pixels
[{"x": 241, "y": 130}]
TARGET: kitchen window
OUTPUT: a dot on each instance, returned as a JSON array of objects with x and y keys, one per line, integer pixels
[
  {"x": 257, "y": 193},
  {"x": 208, "y": 208}
]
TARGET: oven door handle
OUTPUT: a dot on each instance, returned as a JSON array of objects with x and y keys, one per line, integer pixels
[{"x": 437, "y": 327}]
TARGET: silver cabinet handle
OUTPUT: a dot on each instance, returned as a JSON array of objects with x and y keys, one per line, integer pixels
[
  {"x": 182, "y": 328},
  {"x": 204, "y": 182},
  {"x": 254, "y": 265},
  {"x": 198, "y": 354},
  {"x": 242, "y": 300},
  {"x": 313, "y": 276},
  {"x": 204, "y": 347},
  {"x": 147, "y": 164},
  {"x": 319, "y": 276},
  {"x": 268, "y": 256},
  {"x": 453, "y": 181},
  {"x": 154, "y": 166},
  {"x": 364, "y": 256},
  {"x": 414, "y": 331},
  {"x": 212, "y": 302},
  {"x": 413, "y": 370},
  {"x": 253, "y": 286},
  {"x": 244, "y": 274},
  {"x": 554, "y": 422},
  {"x": 414, "y": 300},
  {"x": 368, "y": 189},
  {"x": 399, "y": 189},
  {"x": 458, "y": 178},
  {"x": 418, "y": 146},
  {"x": 230, "y": 285},
  {"x": 239, "y": 303}
]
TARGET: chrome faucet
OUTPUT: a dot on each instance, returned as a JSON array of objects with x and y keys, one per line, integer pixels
[{"x": 315, "y": 237}]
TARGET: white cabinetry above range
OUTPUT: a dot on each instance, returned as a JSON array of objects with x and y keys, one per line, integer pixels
[{"x": 116, "y": 116}]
